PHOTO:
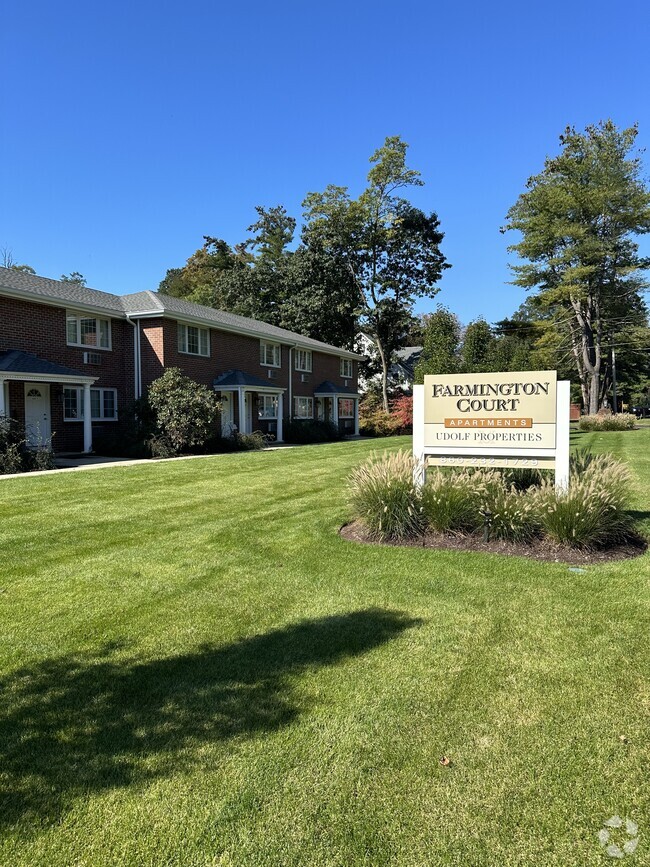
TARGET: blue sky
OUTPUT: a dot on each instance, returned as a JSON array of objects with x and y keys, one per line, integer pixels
[{"x": 130, "y": 130}]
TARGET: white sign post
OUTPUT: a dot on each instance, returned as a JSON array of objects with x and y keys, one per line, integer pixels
[{"x": 518, "y": 419}]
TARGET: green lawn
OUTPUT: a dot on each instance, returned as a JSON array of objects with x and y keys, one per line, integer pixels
[{"x": 196, "y": 670}]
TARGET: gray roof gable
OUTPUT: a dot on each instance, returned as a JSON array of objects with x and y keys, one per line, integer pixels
[{"x": 153, "y": 303}]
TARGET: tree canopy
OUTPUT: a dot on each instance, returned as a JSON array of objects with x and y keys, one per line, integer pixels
[{"x": 578, "y": 219}]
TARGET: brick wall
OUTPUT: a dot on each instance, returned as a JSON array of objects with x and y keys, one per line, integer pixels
[{"x": 41, "y": 330}]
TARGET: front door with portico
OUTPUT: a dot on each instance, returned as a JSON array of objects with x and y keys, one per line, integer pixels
[{"x": 38, "y": 424}]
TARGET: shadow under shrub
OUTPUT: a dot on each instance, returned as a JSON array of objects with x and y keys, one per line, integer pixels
[{"x": 385, "y": 498}]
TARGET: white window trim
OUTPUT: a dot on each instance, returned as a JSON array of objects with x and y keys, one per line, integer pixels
[
  {"x": 80, "y": 404},
  {"x": 200, "y": 328},
  {"x": 266, "y": 343},
  {"x": 345, "y": 363},
  {"x": 309, "y": 359},
  {"x": 261, "y": 402},
  {"x": 298, "y": 397},
  {"x": 70, "y": 314}
]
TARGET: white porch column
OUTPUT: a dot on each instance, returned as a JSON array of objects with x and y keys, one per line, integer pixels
[
  {"x": 3, "y": 407},
  {"x": 356, "y": 416},
  {"x": 335, "y": 409},
  {"x": 242, "y": 412},
  {"x": 88, "y": 421},
  {"x": 278, "y": 437}
]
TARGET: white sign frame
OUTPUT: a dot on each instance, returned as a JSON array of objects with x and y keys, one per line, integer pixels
[{"x": 560, "y": 453}]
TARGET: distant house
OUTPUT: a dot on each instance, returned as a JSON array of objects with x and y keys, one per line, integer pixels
[
  {"x": 72, "y": 359},
  {"x": 401, "y": 372}
]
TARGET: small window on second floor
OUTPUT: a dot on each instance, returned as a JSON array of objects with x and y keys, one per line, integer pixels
[
  {"x": 303, "y": 360},
  {"x": 269, "y": 354},
  {"x": 346, "y": 368},
  {"x": 193, "y": 340},
  {"x": 88, "y": 331}
]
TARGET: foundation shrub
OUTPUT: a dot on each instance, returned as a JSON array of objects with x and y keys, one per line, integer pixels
[
  {"x": 15, "y": 456},
  {"x": 608, "y": 422},
  {"x": 185, "y": 413},
  {"x": 304, "y": 431},
  {"x": 385, "y": 499}
]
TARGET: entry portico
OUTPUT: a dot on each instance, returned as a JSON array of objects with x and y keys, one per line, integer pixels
[
  {"x": 337, "y": 404},
  {"x": 38, "y": 376},
  {"x": 243, "y": 390}
]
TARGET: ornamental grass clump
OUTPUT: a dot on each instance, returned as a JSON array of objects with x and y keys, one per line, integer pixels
[
  {"x": 620, "y": 421},
  {"x": 385, "y": 498},
  {"x": 593, "y": 512},
  {"x": 449, "y": 502}
]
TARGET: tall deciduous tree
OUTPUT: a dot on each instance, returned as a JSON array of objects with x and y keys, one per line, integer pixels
[
  {"x": 390, "y": 248},
  {"x": 578, "y": 219},
  {"x": 441, "y": 345}
]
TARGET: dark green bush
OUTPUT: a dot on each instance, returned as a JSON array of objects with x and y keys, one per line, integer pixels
[
  {"x": 185, "y": 413},
  {"x": 304, "y": 431},
  {"x": 16, "y": 456}
]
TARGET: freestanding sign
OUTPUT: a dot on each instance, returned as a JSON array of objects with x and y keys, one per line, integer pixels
[{"x": 518, "y": 419}]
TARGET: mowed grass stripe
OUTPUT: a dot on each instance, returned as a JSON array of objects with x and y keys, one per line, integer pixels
[{"x": 197, "y": 670}]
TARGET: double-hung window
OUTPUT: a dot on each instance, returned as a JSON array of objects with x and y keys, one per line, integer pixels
[
  {"x": 346, "y": 368},
  {"x": 103, "y": 404},
  {"x": 303, "y": 360},
  {"x": 303, "y": 407},
  {"x": 267, "y": 406},
  {"x": 91, "y": 331},
  {"x": 193, "y": 340},
  {"x": 269, "y": 354}
]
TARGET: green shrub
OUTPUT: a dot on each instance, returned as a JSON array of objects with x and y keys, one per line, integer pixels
[
  {"x": 15, "y": 454},
  {"x": 592, "y": 513},
  {"x": 620, "y": 421},
  {"x": 384, "y": 497},
  {"x": 449, "y": 502},
  {"x": 310, "y": 431},
  {"x": 185, "y": 413}
]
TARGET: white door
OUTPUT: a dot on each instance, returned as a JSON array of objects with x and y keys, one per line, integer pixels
[
  {"x": 227, "y": 414},
  {"x": 38, "y": 426}
]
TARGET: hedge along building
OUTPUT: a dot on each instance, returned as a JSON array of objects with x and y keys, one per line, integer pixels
[{"x": 72, "y": 359}]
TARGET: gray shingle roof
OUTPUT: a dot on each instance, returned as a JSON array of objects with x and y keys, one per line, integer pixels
[
  {"x": 138, "y": 303},
  {"x": 16, "y": 361},
  {"x": 233, "y": 378},
  {"x": 328, "y": 387},
  {"x": 70, "y": 293}
]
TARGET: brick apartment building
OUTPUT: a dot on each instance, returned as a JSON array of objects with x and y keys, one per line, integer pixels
[{"x": 72, "y": 358}]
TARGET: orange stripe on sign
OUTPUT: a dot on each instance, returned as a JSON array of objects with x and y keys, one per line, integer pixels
[{"x": 488, "y": 422}]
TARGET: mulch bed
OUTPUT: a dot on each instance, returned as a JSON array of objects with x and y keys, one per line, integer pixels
[{"x": 538, "y": 549}]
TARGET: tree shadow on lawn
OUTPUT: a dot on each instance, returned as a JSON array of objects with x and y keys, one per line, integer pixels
[{"x": 86, "y": 723}]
